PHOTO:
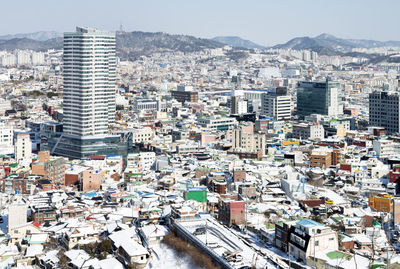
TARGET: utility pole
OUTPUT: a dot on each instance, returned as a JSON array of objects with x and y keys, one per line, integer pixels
[
  {"x": 290, "y": 260},
  {"x": 206, "y": 232},
  {"x": 314, "y": 247},
  {"x": 387, "y": 257}
]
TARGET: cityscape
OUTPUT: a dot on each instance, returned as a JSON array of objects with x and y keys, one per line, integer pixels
[{"x": 122, "y": 148}]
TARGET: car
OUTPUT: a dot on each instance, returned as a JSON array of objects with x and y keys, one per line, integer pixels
[{"x": 199, "y": 231}]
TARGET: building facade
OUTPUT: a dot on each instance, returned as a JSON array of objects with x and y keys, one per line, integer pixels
[
  {"x": 318, "y": 98},
  {"x": 276, "y": 104},
  {"x": 308, "y": 131},
  {"x": 51, "y": 168},
  {"x": 384, "y": 110},
  {"x": 248, "y": 141},
  {"x": 88, "y": 96},
  {"x": 23, "y": 149},
  {"x": 89, "y": 82}
]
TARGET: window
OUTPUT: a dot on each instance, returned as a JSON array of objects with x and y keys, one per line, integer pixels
[{"x": 317, "y": 243}]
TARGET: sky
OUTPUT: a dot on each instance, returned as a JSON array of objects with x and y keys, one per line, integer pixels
[{"x": 265, "y": 22}]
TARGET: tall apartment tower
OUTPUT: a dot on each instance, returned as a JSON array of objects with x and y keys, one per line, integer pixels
[
  {"x": 384, "y": 110},
  {"x": 89, "y": 82},
  {"x": 318, "y": 97},
  {"x": 89, "y": 97}
]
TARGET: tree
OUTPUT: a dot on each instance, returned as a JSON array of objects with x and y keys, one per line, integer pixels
[
  {"x": 62, "y": 260},
  {"x": 51, "y": 94},
  {"x": 105, "y": 246}
]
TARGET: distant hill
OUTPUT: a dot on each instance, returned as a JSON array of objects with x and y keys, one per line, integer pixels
[
  {"x": 330, "y": 44},
  {"x": 130, "y": 45},
  {"x": 237, "y": 42},
  {"x": 39, "y": 36},
  {"x": 133, "y": 44},
  {"x": 26, "y": 43}
]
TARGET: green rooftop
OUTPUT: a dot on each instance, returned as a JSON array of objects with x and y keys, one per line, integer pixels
[
  {"x": 333, "y": 255},
  {"x": 269, "y": 225}
]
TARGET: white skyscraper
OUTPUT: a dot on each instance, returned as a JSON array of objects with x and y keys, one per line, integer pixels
[
  {"x": 277, "y": 104},
  {"x": 89, "y": 82}
]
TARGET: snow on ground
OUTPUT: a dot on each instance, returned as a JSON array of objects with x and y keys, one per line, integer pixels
[
  {"x": 335, "y": 197},
  {"x": 225, "y": 239},
  {"x": 165, "y": 257}
]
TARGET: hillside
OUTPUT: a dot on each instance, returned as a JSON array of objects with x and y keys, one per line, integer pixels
[
  {"x": 332, "y": 43},
  {"x": 237, "y": 42},
  {"x": 130, "y": 45},
  {"x": 133, "y": 44}
]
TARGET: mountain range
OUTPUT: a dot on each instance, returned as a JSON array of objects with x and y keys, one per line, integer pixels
[
  {"x": 131, "y": 45},
  {"x": 39, "y": 36},
  {"x": 329, "y": 42}
]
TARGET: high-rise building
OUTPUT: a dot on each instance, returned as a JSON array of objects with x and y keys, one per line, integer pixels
[
  {"x": 23, "y": 149},
  {"x": 23, "y": 57},
  {"x": 276, "y": 103},
  {"x": 37, "y": 58},
  {"x": 320, "y": 97},
  {"x": 88, "y": 96},
  {"x": 89, "y": 82},
  {"x": 384, "y": 110},
  {"x": 238, "y": 104}
]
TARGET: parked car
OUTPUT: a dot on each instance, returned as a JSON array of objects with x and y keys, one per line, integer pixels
[{"x": 199, "y": 231}]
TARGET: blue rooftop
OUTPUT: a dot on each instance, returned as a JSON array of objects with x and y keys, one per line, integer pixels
[{"x": 309, "y": 223}]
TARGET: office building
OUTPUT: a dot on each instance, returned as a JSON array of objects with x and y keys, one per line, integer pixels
[
  {"x": 185, "y": 94},
  {"x": 384, "y": 110},
  {"x": 276, "y": 104},
  {"x": 318, "y": 98}
]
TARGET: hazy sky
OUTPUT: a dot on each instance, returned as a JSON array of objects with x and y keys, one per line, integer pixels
[{"x": 263, "y": 21}]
